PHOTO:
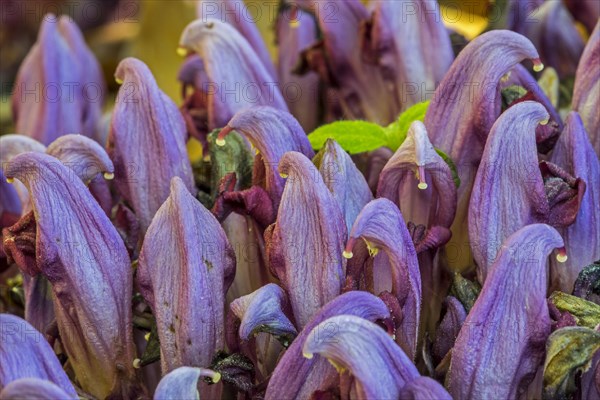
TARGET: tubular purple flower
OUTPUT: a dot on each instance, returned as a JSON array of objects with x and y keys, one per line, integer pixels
[
  {"x": 296, "y": 377},
  {"x": 449, "y": 327},
  {"x": 586, "y": 93},
  {"x": 25, "y": 353},
  {"x": 500, "y": 334},
  {"x": 185, "y": 267},
  {"x": 575, "y": 152},
  {"x": 182, "y": 383},
  {"x": 510, "y": 192},
  {"x": 75, "y": 246},
  {"x": 463, "y": 109},
  {"x": 312, "y": 269},
  {"x": 412, "y": 46},
  {"x": 34, "y": 388},
  {"x": 273, "y": 133},
  {"x": 381, "y": 225},
  {"x": 235, "y": 13},
  {"x": 146, "y": 141},
  {"x": 230, "y": 64},
  {"x": 344, "y": 180},
  {"x": 68, "y": 83},
  {"x": 380, "y": 368},
  {"x": 424, "y": 388}
]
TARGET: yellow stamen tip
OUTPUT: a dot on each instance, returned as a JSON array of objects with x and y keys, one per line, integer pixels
[
  {"x": 137, "y": 363},
  {"x": 347, "y": 254},
  {"x": 182, "y": 51},
  {"x": 307, "y": 355},
  {"x": 216, "y": 377},
  {"x": 561, "y": 258},
  {"x": 538, "y": 67},
  {"x": 422, "y": 185},
  {"x": 283, "y": 175},
  {"x": 545, "y": 122},
  {"x": 294, "y": 23},
  {"x": 119, "y": 80},
  {"x": 10, "y": 180},
  {"x": 108, "y": 176},
  {"x": 147, "y": 336},
  {"x": 220, "y": 142}
]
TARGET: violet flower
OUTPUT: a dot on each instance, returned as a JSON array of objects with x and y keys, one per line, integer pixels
[
  {"x": 25, "y": 353},
  {"x": 312, "y": 270},
  {"x": 449, "y": 327},
  {"x": 10, "y": 204},
  {"x": 297, "y": 377},
  {"x": 185, "y": 244},
  {"x": 146, "y": 141},
  {"x": 512, "y": 190},
  {"x": 381, "y": 226},
  {"x": 575, "y": 153},
  {"x": 67, "y": 80},
  {"x": 586, "y": 98},
  {"x": 501, "y": 344},
  {"x": 463, "y": 109},
  {"x": 412, "y": 46},
  {"x": 74, "y": 245},
  {"x": 33, "y": 388},
  {"x": 182, "y": 383}
]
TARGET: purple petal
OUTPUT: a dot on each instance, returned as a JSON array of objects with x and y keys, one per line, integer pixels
[
  {"x": 424, "y": 388},
  {"x": 146, "y": 141},
  {"x": 10, "y": 204},
  {"x": 25, "y": 353},
  {"x": 379, "y": 366},
  {"x": 263, "y": 311},
  {"x": 296, "y": 377},
  {"x": 235, "y": 13},
  {"x": 182, "y": 383},
  {"x": 231, "y": 65},
  {"x": 343, "y": 179},
  {"x": 582, "y": 239},
  {"x": 186, "y": 244},
  {"x": 412, "y": 46},
  {"x": 66, "y": 80},
  {"x": 449, "y": 327},
  {"x": 74, "y": 232},
  {"x": 381, "y": 226},
  {"x": 375, "y": 164},
  {"x": 34, "y": 388},
  {"x": 502, "y": 343},
  {"x": 586, "y": 11},
  {"x": 586, "y": 100},
  {"x": 305, "y": 244},
  {"x": 463, "y": 109},
  {"x": 83, "y": 155}
]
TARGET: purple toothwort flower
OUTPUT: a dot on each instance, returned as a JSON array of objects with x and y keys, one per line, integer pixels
[
  {"x": 146, "y": 141},
  {"x": 74, "y": 245},
  {"x": 513, "y": 190},
  {"x": 502, "y": 343},
  {"x": 34, "y": 388},
  {"x": 66, "y": 80},
  {"x": 575, "y": 154},
  {"x": 381, "y": 226},
  {"x": 312, "y": 270},
  {"x": 185, "y": 267},
  {"x": 586, "y": 98},
  {"x": 182, "y": 383}
]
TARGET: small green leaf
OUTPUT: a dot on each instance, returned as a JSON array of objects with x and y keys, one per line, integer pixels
[
  {"x": 451, "y": 165},
  {"x": 511, "y": 94},
  {"x": 396, "y": 131},
  {"x": 585, "y": 312},
  {"x": 465, "y": 291},
  {"x": 354, "y": 136}
]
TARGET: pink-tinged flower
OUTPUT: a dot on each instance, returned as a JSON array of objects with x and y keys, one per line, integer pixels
[
  {"x": 146, "y": 141},
  {"x": 502, "y": 343},
  {"x": 235, "y": 13},
  {"x": 25, "y": 353},
  {"x": 305, "y": 244},
  {"x": 411, "y": 44},
  {"x": 586, "y": 93},
  {"x": 59, "y": 88},
  {"x": 74, "y": 245},
  {"x": 343, "y": 179},
  {"x": 272, "y": 133},
  {"x": 185, "y": 267},
  {"x": 296, "y": 30},
  {"x": 339, "y": 58},
  {"x": 463, "y": 109},
  {"x": 233, "y": 77},
  {"x": 33, "y": 388},
  {"x": 513, "y": 190},
  {"x": 381, "y": 226},
  {"x": 297, "y": 377},
  {"x": 379, "y": 368},
  {"x": 182, "y": 383},
  {"x": 575, "y": 153}
]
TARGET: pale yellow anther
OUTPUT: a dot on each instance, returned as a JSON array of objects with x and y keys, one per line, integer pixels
[
  {"x": 307, "y": 355},
  {"x": 147, "y": 336},
  {"x": 137, "y": 363},
  {"x": 545, "y": 121},
  {"x": 347, "y": 254},
  {"x": 561, "y": 258},
  {"x": 10, "y": 180},
  {"x": 119, "y": 80},
  {"x": 294, "y": 23},
  {"x": 283, "y": 175},
  {"x": 109, "y": 175},
  {"x": 182, "y": 51},
  {"x": 422, "y": 185},
  {"x": 538, "y": 67},
  {"x": 216, "y": 377},
  {"x": 220, "y": 142}
]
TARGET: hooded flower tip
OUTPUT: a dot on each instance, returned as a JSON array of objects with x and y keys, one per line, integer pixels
[
  {"x": 220, "y": 141},
  {"x": 537, "y": 65}
]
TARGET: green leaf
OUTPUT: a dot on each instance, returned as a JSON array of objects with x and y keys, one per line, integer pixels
[
  {"x": 465, "y": 291},
  {"x": 451, "y": 165},
  {"x": 396, "y": 131},
  {"x": 585, "y": 312},
  {"x": 354, "y": 136}
]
